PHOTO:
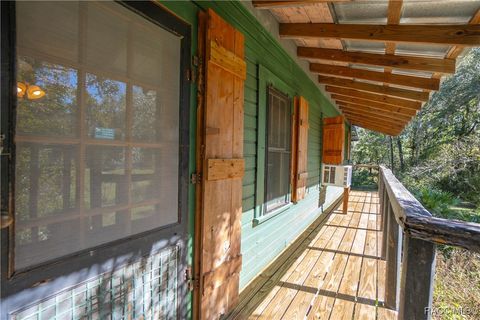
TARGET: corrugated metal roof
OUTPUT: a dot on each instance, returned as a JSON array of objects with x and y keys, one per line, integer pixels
[
  {"x": 365, "y": 12},
  {"x": 438, "y": 12}
]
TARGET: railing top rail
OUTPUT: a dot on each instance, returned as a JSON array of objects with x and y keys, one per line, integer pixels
[{"x": 418, "y": 221}]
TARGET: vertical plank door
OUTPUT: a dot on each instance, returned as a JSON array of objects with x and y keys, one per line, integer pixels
[{"x": 220, "y": 164}]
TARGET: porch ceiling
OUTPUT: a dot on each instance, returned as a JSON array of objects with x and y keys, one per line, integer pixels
[{"x": 384, "y": 57}]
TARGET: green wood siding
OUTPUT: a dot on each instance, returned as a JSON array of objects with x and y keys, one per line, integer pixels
[{"x": 263, "y": 242}]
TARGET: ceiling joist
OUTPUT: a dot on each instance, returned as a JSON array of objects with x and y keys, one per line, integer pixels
[
  {"x": 375, "y": 128},
  {"x": 380, "y": 60},
  {"x": 373, "y": 113},
  {"x": 375, "y": 88},
  {"x": 379, "y": 121},
  {"x": 464, "y": 35},
  {"x": 408, "y": 104},
  {"x": 350, "y": 73},
  {"x": 267, "y": 4},
  {"x": 363, "y": 122},
  {"x": 357, "y": 102}
]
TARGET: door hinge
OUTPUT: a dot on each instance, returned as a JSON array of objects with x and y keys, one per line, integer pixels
[
  {"x": 196, "y": 178},
  {"x": 191, "y": 75},
  {"x": 195, "y": 61},
  {"x": 192, "y": 283}
]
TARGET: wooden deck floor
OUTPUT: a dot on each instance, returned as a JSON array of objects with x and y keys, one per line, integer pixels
[{"x": 333, "y": 273}]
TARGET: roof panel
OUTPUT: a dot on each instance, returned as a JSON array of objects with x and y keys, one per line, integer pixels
[
  {"x": 421, "y": 49},
  {"x": 368, "y": 12},
  {"x": 438, "y": 11},
  {"x": 364, "y": 46}
]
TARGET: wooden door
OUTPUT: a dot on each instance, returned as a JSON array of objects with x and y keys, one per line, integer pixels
[{"x": 221, "y": 165}]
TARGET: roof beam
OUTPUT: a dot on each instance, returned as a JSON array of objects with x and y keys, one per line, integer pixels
[
  {"x": 266, "y": 4},
  {"x": 375, "y": 128},
  {"x": 465, "y": 35},
  {"x": 371, "y": 105},
  {"x": 381, "y": 60},
  {"x": 374, "y": 88},
  {"x": 379, "y": 121},
  {"x": 396, "y": 102},
  {"x": 350, "y": 73},
  {"x": 373, "y": 124},
  {"x": 390, "y": 110},
  {"x": 372, "y": 112}
]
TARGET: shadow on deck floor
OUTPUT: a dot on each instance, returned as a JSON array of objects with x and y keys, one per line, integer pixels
[{"x": 332, "y": 271}]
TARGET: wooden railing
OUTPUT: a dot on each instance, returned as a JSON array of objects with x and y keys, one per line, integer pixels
[{"x": 410, "y": 236}]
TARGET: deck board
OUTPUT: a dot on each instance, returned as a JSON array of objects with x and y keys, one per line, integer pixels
[{"x": 338, "y": 274}]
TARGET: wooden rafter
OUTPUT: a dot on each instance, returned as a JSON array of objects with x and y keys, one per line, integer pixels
[
  {"x": 374, "y": 122},
  {"x": 371, "y": 105},
  {"x": 376, "y": 128},
  {"x": 384, "y": 122},
  {"x": 465, "y": 35},
  {"x": 393, "y": 18},
  {"x": 381, "y": 60},
  {"x": 380, "y": 121},
  {"x": 387, "y": 109},
  {"x": 350, "y": 73},
  {"x": 408, "y": 104},
  {"x": 266, "y": 4},
  {"x": 374, "y": 113},
  {"x": 374, "y": 88}
]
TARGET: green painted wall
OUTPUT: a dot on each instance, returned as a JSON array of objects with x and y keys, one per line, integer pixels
[{"x": 263, "y": 242}]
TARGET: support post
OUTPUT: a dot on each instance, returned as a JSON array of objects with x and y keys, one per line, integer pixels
[
  {"x": 418, "y": 270},
  {"x": 385, "y": 218},
  {"x": 346, "y": 192},
  {"x": 394, "y": 256}
]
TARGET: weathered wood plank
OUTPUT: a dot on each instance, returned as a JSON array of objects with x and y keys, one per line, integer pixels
[
  {"x": 398, "y": 79},
  {"x": 418, "y": 270},
  {"x": 270, "y": 4},
  {"x": 396, "y": 102},
  {"x": 381, "y": 60},
  {"x": 394, "y": 258},
  {"x": 374, "y": 88},
  {"x": 466, "y": 35},
  {"x": 219, "y": 169},
  {"x": 372, "y": 106}
]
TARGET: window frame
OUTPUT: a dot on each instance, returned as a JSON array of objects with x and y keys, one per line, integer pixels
[
  {"x": 266, "y": 78},
  {"x": 82, "y": 265},
  {"x": 272, "y": 90}
]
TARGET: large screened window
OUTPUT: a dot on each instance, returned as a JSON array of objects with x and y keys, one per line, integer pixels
[
  {"x": 97, "y": 127},
  {"x": 277, "y": 191}
]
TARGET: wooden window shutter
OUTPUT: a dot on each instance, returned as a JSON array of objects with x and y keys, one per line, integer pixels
[
  {"x": 222, "y": 72},
  {"x": 299, "y": 149},
  {"x": 333, "y": 140}
]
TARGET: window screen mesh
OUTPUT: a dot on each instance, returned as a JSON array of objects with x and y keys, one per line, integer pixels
[
  {"x": 278, "y": 155},
  {"x": 97, "y": 155}
]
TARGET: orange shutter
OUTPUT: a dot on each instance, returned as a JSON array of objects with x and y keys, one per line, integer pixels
[
  {"x": 333, "y": 140},
  {"x": 220, "y": 157},
  {"x": 299, "y": 149}
]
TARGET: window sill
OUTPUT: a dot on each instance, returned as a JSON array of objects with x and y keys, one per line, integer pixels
[{"x": 272, "y": 214}]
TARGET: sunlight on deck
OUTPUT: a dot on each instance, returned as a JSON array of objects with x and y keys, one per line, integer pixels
[{"x": 338, "y": 275}]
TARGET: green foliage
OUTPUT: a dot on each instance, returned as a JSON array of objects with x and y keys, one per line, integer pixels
[
  {"x": 364, "y": 179},
  {"x": 437, "y": 201}
]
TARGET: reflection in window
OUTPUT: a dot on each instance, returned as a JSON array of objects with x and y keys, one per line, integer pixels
[
  {"x": 98, "y": 156},
  {"x": 106, "y": 103},
  {"x": 56, "y": 113}
]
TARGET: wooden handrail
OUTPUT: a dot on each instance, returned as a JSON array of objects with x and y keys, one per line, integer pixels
[{"x": 419, "y": 223}]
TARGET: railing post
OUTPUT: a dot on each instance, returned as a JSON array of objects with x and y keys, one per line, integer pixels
[
  {"x": 385, "y": 218},
  {"x": 418, "y": 270},
  {"x": 394, "y": 256}
]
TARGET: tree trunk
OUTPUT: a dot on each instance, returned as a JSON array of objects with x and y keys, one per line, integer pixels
[{"x": 400, "y": 153}]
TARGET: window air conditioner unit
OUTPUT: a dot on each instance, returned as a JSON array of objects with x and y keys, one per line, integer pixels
[{"x": 336, "y": 175}]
